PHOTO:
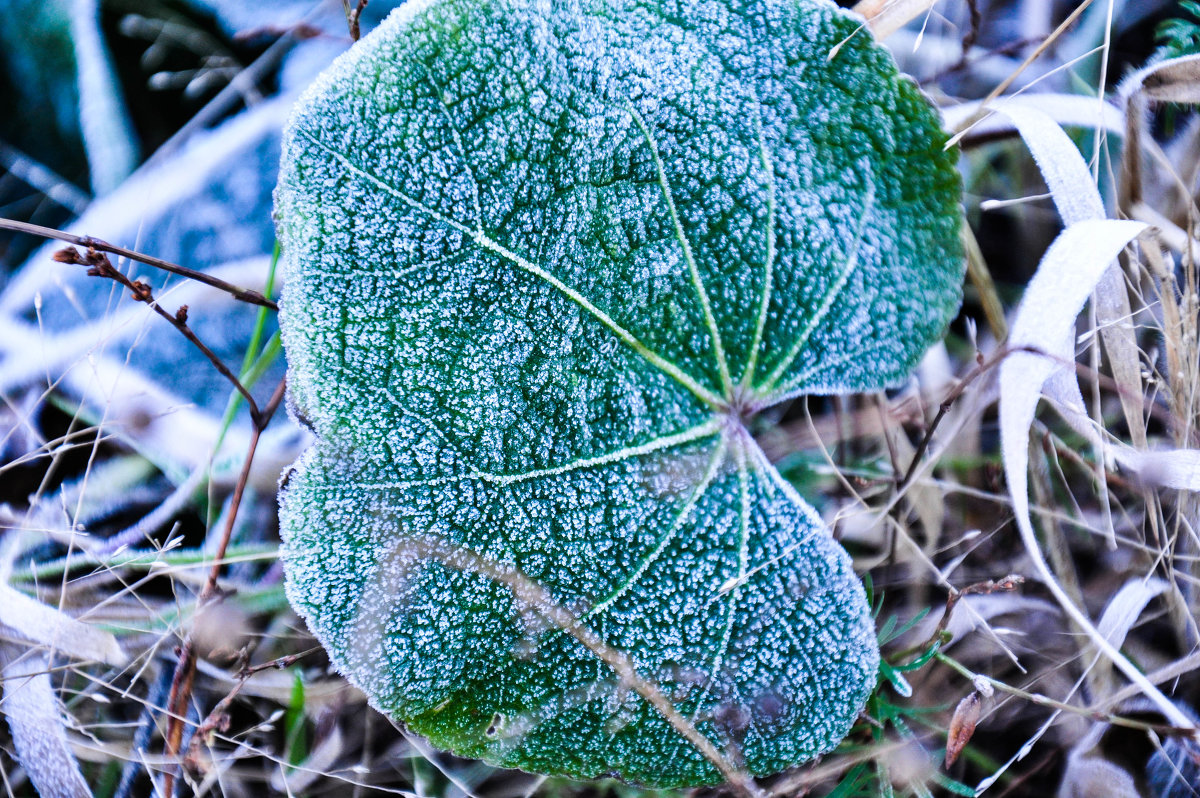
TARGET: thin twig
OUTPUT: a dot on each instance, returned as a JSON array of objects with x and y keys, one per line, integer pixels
[
  {"x": 354, "y": 17},
  {"x": 99, "y": 266},
  {"x": 218, "y": 718},
  {"x": 243, "y": 294},
  {"x": 1046, "y": 701},
  {"x": 981, "y": 366},
  {"x": 1006, "y": 49},
  {"x": 533, "y": 594},
  {"x": 1007, "y": 82},
  {"x": 185, "y": 668},
  {"x": 1008, "y": 583},
  {"x": 973, "y": 33}
]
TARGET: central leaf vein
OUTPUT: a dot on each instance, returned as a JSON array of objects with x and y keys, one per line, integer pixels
[{"x": 480, "y": 238}]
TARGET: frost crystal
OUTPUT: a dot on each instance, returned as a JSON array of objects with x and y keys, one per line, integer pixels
[{"x": 543, "y": 260}]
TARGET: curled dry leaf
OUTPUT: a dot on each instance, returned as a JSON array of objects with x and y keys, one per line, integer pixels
[
  {"x": 1064, "y": 280},
  {"x": 1176, "y": 80},
  {"x": 1077, "y": 199}
]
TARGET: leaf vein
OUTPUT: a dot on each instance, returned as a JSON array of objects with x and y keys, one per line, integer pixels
[
  {"x": 722, "y": 651},
  {"x": 769, "y": 258},
  {"x": 480, "y": 238},
  {"x": 792, "y": 388},
  {"x": 688, "y": 256},
  {"x": 834, "y": 291},
  {"x": 681, "y": 518},
  {"x": 703, "y": 430}
]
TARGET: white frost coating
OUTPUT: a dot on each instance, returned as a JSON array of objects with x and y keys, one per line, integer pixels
[
  {"x": 527, "y": 272},
  {"x": 1066, "y": 277},
  {"x": 59, "y": 632},
  {"x": 35, "y": 718}
]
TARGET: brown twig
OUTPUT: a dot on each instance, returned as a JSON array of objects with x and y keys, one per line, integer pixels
[
  {"x": 99, "y": 266},
  {"x": 1163, "y": 729},
  {"x": 531, "y": 593},
  {"x": 354, "y": 17},
  {"x": 982, "y": 365},
  {"x": 185, "y": 667},
  {"x": 1006, "y": 49},
  {"x": 1008, "y": 583},
  {"x": 218, "y": 718},
  {"x": 277, "y": 664},
  {"x": 243, "y": 294},
  {"x": 973, "y": 34}
]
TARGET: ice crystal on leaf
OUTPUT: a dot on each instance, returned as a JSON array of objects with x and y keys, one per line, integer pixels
[{"x": 543, "y": 261}]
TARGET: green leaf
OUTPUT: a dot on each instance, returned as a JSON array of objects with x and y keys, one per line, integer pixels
[{"x": 543, "y": 262}]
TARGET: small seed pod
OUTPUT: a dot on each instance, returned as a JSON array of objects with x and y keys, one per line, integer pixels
[{"x": 962, "y": 726}]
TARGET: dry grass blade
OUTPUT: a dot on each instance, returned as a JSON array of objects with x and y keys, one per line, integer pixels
[
  {"x": 48, "y": 627},
  {"x": 1068, "y": 273},
  {"x": 1118, "y": 619},
  {"x": 36, "y": 721},
  {"x": 1008, "y": 82},
  {"x": 885, "y": 17}
]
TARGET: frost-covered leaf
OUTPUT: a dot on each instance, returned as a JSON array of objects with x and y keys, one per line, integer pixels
[{"x": 543, "y": 262}]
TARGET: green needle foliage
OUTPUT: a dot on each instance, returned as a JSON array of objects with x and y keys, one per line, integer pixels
[
  {"x": 543, "y": 261},
  {"x": 1181, "y": 36}
]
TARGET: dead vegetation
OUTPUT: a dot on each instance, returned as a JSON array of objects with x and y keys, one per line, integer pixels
[{"x": 1035, "y": 565}]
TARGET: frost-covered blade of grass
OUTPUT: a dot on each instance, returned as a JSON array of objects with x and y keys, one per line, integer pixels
[{"x": 1065, "y": 278}]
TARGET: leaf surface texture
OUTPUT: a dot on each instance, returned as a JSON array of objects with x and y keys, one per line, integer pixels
[{"x": 543, "y": 262}]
